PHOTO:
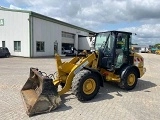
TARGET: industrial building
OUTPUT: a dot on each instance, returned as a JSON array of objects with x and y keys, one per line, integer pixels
[{"x": 29, "y": 34}]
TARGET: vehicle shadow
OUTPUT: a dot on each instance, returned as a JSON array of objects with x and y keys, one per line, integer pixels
[
  {"x": 102, "y": 95},
  {"x": 105, "y": 93},
  {"x": 143, "y": 85},
  {"x": 110, "y": 87},
  {"x": 62, "y": 107}
]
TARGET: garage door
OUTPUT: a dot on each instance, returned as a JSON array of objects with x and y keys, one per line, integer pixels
[{"x": 68, "y": 37}]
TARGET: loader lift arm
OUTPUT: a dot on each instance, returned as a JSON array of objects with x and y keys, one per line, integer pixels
[{"x": 73, "y": 67}]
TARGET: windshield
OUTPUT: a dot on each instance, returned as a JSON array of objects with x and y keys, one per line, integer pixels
[
  {"x": 105, "y": 41},
  {"x": 101, "y": 39}
]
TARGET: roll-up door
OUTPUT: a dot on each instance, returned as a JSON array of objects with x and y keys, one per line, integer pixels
[{"x": 68, "y": 37}]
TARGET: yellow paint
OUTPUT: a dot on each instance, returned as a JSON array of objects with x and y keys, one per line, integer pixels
[
  {"x": 89, "y": 86},
  {"x": 131, "y": 79},
  {"x": 68, "y": 69},
  {"x": 142, "y": 70},
  {"x": 110, "y": 76},
  {"x": 157, "y": 52}
]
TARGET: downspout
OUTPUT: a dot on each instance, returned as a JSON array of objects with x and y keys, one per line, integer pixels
[{"x": 31, "y": 34}]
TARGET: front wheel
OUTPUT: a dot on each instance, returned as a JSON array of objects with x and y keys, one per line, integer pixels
[
  {"x": 129, "y": 79},
  {"x": 7, "y": 55},
  {"x": 85, "y": 85}
]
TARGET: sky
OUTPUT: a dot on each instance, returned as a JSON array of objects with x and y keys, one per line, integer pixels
[{"x": 138, "y": 16}]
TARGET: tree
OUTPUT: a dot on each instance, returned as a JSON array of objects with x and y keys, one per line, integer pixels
[{"x": 157, "y": 45}]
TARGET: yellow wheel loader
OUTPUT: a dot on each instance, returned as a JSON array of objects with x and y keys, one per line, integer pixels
[
  {"x": 112, "y": 60},
  {"x": 157, "y": 52}
]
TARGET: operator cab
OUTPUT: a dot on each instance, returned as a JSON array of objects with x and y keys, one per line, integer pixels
[{"x": 114, "y": 49}]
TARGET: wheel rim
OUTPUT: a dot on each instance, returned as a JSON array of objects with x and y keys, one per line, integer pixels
[
  {"x": 89, "y": 86},
  {"x": 131, "y": 79}
]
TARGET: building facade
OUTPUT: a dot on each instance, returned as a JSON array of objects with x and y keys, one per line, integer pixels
[{"x": 29, "y": 34}]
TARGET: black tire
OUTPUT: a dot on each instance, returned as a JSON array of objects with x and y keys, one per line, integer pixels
[
  {"x": 79, "y": 82},
  {"x": 125, "y": 83},
  {"x": 7, "y": 55}
]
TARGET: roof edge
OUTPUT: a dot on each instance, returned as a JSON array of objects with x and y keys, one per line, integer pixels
[
  {"x": 34, "y": 14},
  {"x": 14, "y": 10},
  {"x": 44, "y": 17}
]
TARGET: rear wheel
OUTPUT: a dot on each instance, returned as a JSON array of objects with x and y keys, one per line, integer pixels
[
  {"x": 7, "y": 55},
  {"x": 85, "y": 85},
  {"x": 129, "y": 79}
]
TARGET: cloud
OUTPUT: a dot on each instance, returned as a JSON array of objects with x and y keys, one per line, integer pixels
[
  {"x": 97, "y": 11},
  {"x": 143, "y": 9},
  {"x": 146, "y": 34},
  {"x": 146, "y": 30},
  {"x": 98, "y": 14},
  {"x": 14, "y": 7}
]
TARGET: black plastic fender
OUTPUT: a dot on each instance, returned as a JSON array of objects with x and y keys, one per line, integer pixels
[
  {"x": 98, "y": 73},
  {"x": 126, "y": 68}
]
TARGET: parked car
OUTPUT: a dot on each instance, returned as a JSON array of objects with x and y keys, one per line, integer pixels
[
  {"x": 64, "y": 51},
  {"x": 4, "y": 52}
]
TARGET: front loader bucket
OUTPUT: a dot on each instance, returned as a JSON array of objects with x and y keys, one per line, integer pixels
[{"x": 39, "y": 93}]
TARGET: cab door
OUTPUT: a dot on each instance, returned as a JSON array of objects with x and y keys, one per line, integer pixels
[{"x": 122, "y": 49}]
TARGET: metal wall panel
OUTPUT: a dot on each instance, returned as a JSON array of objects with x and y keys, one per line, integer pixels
[
  {"x": 51, "y": 32},
  {"x": 15, "y": 28}
]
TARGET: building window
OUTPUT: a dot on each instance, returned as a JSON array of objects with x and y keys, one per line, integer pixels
[
  {"x": 3, "y": 44},
  {"x": 17, "y": 46},
  {"x": 1, "y": 22},
  {"x": 68, "y": 35},
  {"x": 40, "y": 46}
]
